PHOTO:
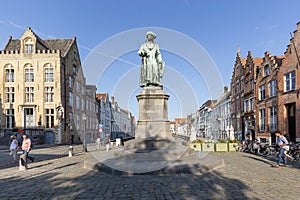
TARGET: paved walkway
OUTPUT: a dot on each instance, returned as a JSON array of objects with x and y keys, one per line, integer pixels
[{"x": 56, "y": 176}]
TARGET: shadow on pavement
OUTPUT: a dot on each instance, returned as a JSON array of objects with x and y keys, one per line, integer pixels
[
  {"x": 211, "y": 185},
  {"x": 271, "y": 160}
]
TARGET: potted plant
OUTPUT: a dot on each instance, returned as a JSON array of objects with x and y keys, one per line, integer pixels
[
  {"x": 196, "y": 144},
  {"x": 233, "y": 145},
  {"x": 208, "y": 146},
  {"x": 221, "y": 145}
]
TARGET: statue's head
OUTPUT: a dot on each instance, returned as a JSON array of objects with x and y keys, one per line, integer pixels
[{"x": 150, "y": 35}]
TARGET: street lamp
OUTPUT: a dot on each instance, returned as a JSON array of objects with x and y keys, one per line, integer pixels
[{"x": 84, "y": 137}]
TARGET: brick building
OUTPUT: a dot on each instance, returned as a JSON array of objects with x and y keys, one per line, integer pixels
[
  {"x": 288, "y": 90},
  {"x": 250, "y": 75},
  {"x": 237, "y": 97},
  {"x": 267, "y": 98}
]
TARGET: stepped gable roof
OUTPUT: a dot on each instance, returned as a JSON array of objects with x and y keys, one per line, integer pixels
[
  {"x": 257, "y": 61},
  {"x": 101, "y": 95}
]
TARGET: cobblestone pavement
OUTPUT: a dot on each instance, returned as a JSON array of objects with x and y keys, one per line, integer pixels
[{"x": 56, "y": 176}]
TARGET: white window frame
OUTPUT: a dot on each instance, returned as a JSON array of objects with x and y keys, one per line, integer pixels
[
  {"x": 71, "y": 99},
  {"x": 49, "y": 73},
  {"x": 290, "y": 81},
  {"x": 9, "y": 94},
  {"x": 49, "y": 93},
  {"x": 262, "y": 92},
  {"x": 29, "y": 94},
  {"x": 273, "y": 118},
  {"x": 272, "y": 88},
  {"x": 29, "y": 74},
  {"x": 262, "y": 120}
]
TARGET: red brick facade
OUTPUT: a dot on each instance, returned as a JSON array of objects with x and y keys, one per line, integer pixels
[
  {"x": 288, "y": 86},
  {"x": 272, "y": 84},
  {"x": 237, "y": 92},
  {"x": 267, "y": 98},
  {"x": 250, "y": 100}
]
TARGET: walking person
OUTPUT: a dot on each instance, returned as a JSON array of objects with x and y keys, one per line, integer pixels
[
  {"x": 14, "y": 147},
  {"x": 26, "y": 147},
  {"x": 107, "y": 142},
  {"x": 282, "y": 143}
]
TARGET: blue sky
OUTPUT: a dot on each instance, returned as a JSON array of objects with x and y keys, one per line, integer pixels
[{"x": 218, "y": 26}]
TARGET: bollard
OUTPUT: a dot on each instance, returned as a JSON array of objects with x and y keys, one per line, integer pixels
[
  {"x": 98, "y": 143},
  {"x": 70, "y": 151},
  {"x": 23, "y": 163}
]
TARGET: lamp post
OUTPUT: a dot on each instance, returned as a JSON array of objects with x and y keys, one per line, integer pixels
[{"x": 84, "y": 136}]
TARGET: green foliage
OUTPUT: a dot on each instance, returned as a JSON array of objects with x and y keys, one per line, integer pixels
[
  {"x": 232, "y": 141},
  {"x": 198, "y": 141}
]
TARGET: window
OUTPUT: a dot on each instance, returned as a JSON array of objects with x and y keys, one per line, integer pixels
[
  {"x": 82, "y": 104},
  {"x": 273, "y": 118},
  {"x": 252, "y": 84},
  {"x": 252, "y": 104},
  {"x": 262, "y": 94},
  {"x": 29, "y": 94},
  {"x": 262, "y": 119},
  {"x": 77, "y": 102},
  {"x": 9, "y": 74},
  {"x": 9, "y": 94},
  {"x": 28, "y": 48},
  {"x": 246, "y": 87},
  {"x": 263, "y": 140},
  {"x": 78, "y": 87},
  {"x": 272, "y": 88},
  {"x": 246, "y": 105},
  {"x": 71, "y": 121},
  {"x": 266, "y": 70},
  {"x": 10, "y": 118},
  {"x": 75, "y": 55},
  {"x": 70, "y": 98},
  {"x": 289, "y": 81},
  {"x": 49, "y": 93},
  {"x": 74, "y": 69},
  {"x": 49, "y": 113},
  {"x": 29, "y": 74},
  {"x": 238, "y": 103},
  {"x": 71, "y": 82},
  {"x": 242, "y": 85},
  {"x": 49, "y": 73}
]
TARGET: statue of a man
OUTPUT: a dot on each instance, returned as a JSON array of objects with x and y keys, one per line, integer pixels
[{"x": 152, "y": 68}]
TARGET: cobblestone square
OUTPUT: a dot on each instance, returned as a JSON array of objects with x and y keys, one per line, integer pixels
[{"x": 54, "y": 175}]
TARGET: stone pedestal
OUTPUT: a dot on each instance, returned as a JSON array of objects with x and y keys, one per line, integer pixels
[{"x": 153, "y": 123}]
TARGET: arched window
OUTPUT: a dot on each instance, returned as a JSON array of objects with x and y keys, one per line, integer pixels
[
  {"x": 9, "y": 73},
  {"x": 49, "y": 73},
  {"x": 29, "y": 73}
]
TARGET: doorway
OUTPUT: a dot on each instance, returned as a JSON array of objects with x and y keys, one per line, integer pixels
[
  {"x": 28, "y": 118},
  {"x": 291, "y": 121}
]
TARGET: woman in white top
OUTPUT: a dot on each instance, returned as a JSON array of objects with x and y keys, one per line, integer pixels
[{"x": 14, "y": 147}]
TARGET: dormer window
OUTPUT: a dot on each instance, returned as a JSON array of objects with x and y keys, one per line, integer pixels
[{"x": 28, "y": 48}]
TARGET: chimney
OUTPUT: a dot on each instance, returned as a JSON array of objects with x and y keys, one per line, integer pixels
[
  {"x": 225, "y": 89},
  {"x": 112, "y": 99}
]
